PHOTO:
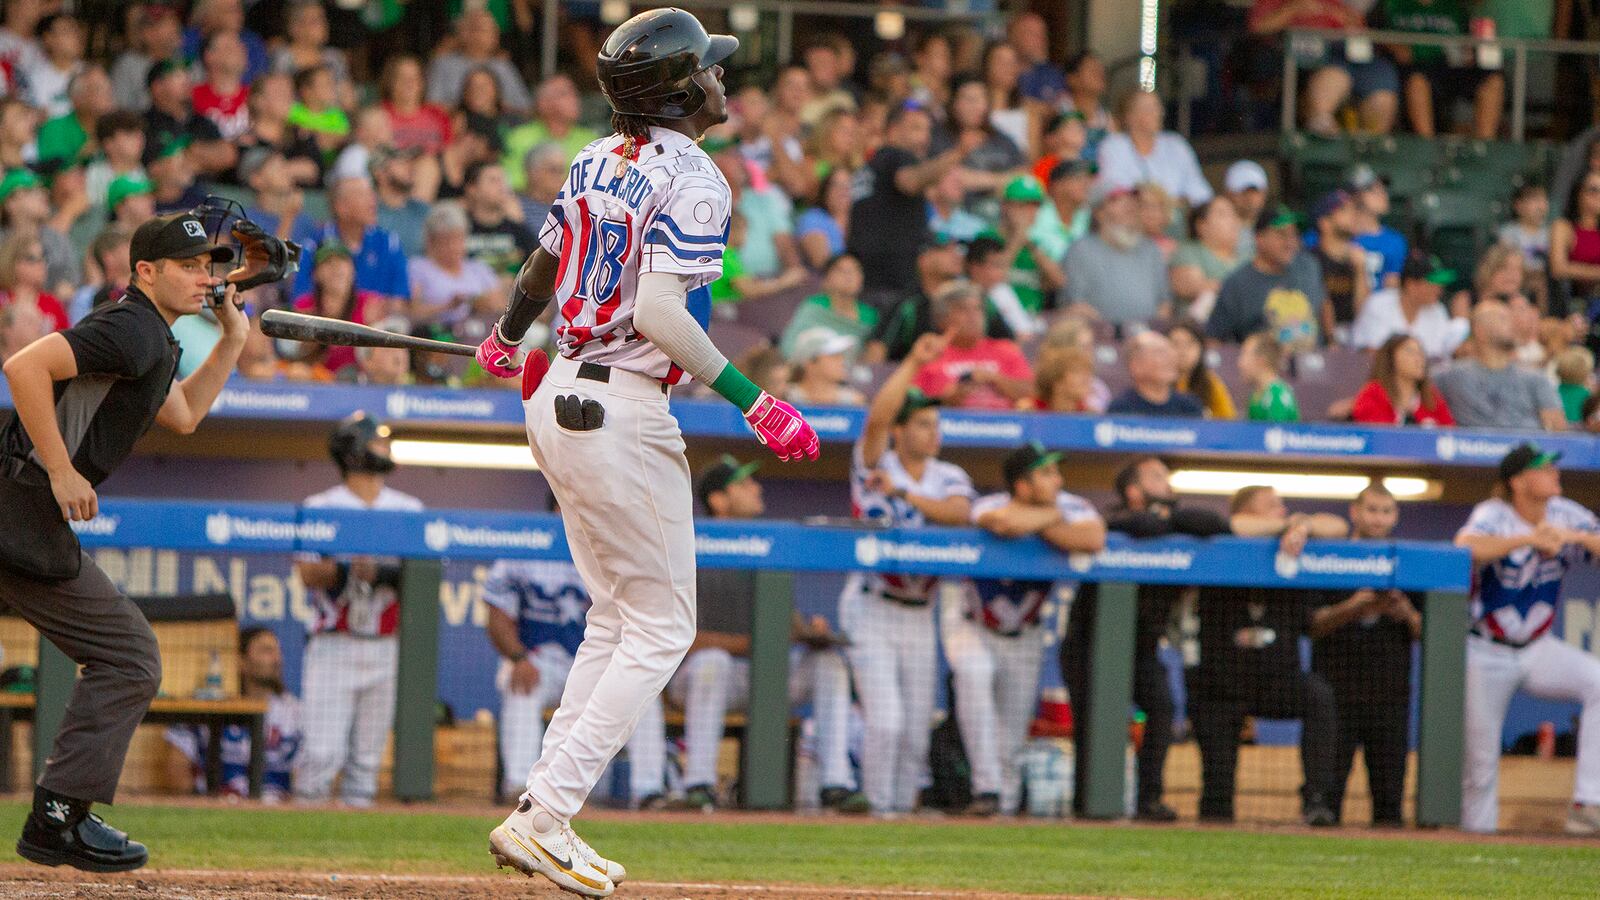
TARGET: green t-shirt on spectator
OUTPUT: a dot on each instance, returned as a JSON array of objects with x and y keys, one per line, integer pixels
[
  {"x": 330, "y": 121},
  {"x": 1572, "y": 397},
  {"x": 1520, "y": 18},
  {"x": 1443, "y": 17},
  {"x": 817, "y": 312},
  {"x": 523, "y": 138},
  {"x": 1274, "y": 403},
  {"x": 722, "y": 290},
  {"x": 62, "y": 138}
]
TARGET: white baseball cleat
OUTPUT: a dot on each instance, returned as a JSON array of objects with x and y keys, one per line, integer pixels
[
  {"x": 612, "y": 868},
  {"x": 521, "y": 843},
  {"x": 1583, "y": 818}
]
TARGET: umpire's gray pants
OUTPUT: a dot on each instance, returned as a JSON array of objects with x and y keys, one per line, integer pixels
[{"x": 103, "y": 631}]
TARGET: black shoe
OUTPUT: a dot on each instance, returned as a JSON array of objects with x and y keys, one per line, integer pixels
[
  {"x": 700, "y": 797},
  {"x": 844, "y": 800},
  {"x": 62, "y": 831},
  {"x": 1155, "y": 811},
  {"x": 1318, "y": 815},
  {"x": 983, "y": 806},
  {"x": 653, "y": 803}
]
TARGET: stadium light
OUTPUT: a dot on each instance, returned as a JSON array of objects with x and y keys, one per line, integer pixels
[
  {"x": 613, "y": 12},
  {"x": 462, "y": 454},
  {"x": 1149, "y": 20},
  {"x": 744, "y": 17},
  {"x": 889, "y": 25},
  {"x": 1300, "y": 484}
]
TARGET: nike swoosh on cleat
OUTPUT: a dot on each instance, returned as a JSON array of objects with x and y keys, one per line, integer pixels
[{"x": 565, "y": 865}]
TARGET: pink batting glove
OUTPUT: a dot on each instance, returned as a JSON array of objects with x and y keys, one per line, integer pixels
[
  {"x": 782, "y": 429},
  {"x": 498, "y": 356}
]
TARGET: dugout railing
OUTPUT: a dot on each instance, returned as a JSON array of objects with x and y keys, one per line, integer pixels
[{"x": 776, "y": 550}]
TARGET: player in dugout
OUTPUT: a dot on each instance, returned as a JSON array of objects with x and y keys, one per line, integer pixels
[{"x": 83, "y": 397}]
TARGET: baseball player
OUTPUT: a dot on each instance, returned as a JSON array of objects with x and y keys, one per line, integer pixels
[
  {"x": 992, "y": 636},
  {"x": 1523, "y": 541},
  {"x": 889, "y": 618},
  {"x": 352, "y": 655},
  {"x": 536, "y": 614},
  {"x": 83, "y": 396},
  {"x": 631, "y": 244}
]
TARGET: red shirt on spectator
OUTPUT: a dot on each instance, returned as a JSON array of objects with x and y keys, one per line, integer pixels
[
  {"x": 1374, "y": 406},
  {"x": 337, "y": 358},
  {"x": 49, "y": 305},
  {"x": 1330, "y": 14},
  {"x": 940, "y": 377},
  {"x": 427, "y": 129},
  {"x": 228, "y": 113}
]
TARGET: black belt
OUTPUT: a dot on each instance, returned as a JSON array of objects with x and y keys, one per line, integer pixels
[
  {"x": 596, "y": 372},
  {"x": 1507, "y": 642}
]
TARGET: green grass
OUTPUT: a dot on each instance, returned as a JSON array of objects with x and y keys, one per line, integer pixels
[{"x": 1078, "y": 859}]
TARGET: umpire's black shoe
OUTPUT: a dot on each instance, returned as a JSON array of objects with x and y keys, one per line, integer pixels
[
  {"x": 1320, "y": 815},
  {"x": 1155, "y": 811},
  {"x": 62, "y": 831}
]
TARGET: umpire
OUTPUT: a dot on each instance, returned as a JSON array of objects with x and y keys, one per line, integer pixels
[{"x": 83, "y": 397}]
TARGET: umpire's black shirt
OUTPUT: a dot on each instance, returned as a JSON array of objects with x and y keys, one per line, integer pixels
[{"x": 126, "y": 358}]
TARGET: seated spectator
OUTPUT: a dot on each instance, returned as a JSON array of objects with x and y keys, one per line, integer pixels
[
  {"x": 1035, "y": 263},
  {"x": 259, "y": 361},
  {"x": 108, "y": 272},
  {"x": 278, "y": 201},
  {"x": 260, "y": 678},
  {"x": 1386, "y": 248},
  {"x": 1280, "y": 291},
  {"x": 1195, "y": 377},
  {"x": 1143, "y": 152},
  {"x": 496, "y": 238},
  {"x": 335, "y": 294},
  {"x": 317, "y": 112},
  {"x": 1115, "y": 273},
  {"x": 1153, "y": 368},
  {"x": 768, "y": 248},
  {"x": 1074, "y": 332},
  {"x": 1066, "y": 139},
  {"x": 948, "y": 218},
  {"x": 987, "y": 154},
  {"x": 1451, "y": 68},
  {"x": 768, "y": 369},
  {"x": 1155, "y": 216},
  {"x": 20, "y": 325},
  {"x": 544, "y": 172},
  {"x": 120, "y": 136},
  {"x": 1529, "y": 228},
  {"x": 155, "y": 34},
  {"x": 1341, "y": 259},
  {"x": 447, "y": 282},
  {"x": 1013, "y": 115},
  {"x": 1198, "y": 265},
  {"x": 1086, "y": 91},
  {"x": 45, "y": 80},
  {"x": 986, "y": 267},
  {"x": 480, "y": 100},
  {"x": 737, "y": 285},
  {"x": 1064, "y": 382},
  {"x": 368, "y": 134},
  {"x": 1250, "y": 665},
  {"x": 307, "y": 45},
  {"x": 1501, "y": 275},
  {"x": 1245, "y": 185},
  {"x": 1488, "y": 390},
  {"x": 1414, "y": 309},
  {"x": 822, "y": 364},
  {"x": 1064, "y": 217},
  {"x": 387, "y": 366},
  {"x": 770, "y": 140},
  {"x": 415, "y": 123},
  {"x": 380, "y": 261},
  {"x": 223, "y": 95},
  {"x": 838, "y": 308},
  {"x": 68, "y": 136},
  {"x": 939, "y": 262},
  {"x": 130, "y": 202},
  {"x": 821, "y": 229},
  {"x": 212, "y": 16},
  {"x": 830, "y": 60},
  {"x": 1261, "y": 367},
  {"x": 25, "y": 208},
  {"x": 171, "y": 119},
  {"x": 174, "y": 182},
  {"x": 836, "y": 143},
  {"x": 22, "y": 278},
  {"x": 1575, "y": 380},
  {"x": 1575, "y": 247},
  {"x": 1041, "y": 79},
  {"x": 19, "y": 130},
  {"x": 271, "y": 99},
  {"x": 477, "y": 45},
  {"x": 1399, "y": 391},
  {"x": 972, "y": 371},
  {"x": 1374, "y": 84},
  {"x": 1525, "y": 329}
]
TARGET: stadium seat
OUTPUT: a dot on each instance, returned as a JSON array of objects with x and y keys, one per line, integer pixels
[
  {"x": 1316, "y": 164},
  {"x": 1456, "y": 226}
]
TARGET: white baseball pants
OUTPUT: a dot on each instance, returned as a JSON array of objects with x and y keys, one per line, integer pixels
[
  {"x": 522, "y": 715},
  {"x": 347, "y": 695},
  {"x": 627, "y": 508},
  {"x": 893, "y": 660},
  {"x": 1547, "y": 668},
  {"x": 997, "y": 693},
  {"x": 647, "y": 753}
]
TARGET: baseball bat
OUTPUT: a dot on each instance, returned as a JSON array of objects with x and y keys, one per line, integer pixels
[{"x": 281, "y": 323}]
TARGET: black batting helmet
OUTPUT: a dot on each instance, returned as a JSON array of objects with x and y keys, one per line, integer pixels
[
  {"x": 349, "y": 445},
  {"x": 648, "y": 64}
]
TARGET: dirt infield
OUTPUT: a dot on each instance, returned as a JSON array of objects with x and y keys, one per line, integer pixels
[{"x": 33, "y": 883}]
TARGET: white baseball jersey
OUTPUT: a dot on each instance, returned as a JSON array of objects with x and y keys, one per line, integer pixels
[
  {"x": 361, "y": 609},
  {"x": 939, "y": 481},
  {"x": 1514, "y": 598},
  {"x": 614, "y": 220},
  {"x": 1008, "y": 605}
]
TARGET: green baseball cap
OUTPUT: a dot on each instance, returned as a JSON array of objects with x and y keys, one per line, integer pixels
[
  {"x": 328, "y": 250},
  {"x": 916, "y": 401},
  {"x": 1277, "y": 217},
  {"x": 1025, "y": 459},
  {"x": 1023, "y": 189},
  {"x": 16, "y": 180},
  {"x": 1526, "y": 456},
  {"x": 724, "y": 472},
  {"x": 1419, "y": 265},
  {"x": 124, "y": 186}
]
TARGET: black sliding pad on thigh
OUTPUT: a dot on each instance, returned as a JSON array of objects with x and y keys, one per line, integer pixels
[{"x": 594, "y": 415}]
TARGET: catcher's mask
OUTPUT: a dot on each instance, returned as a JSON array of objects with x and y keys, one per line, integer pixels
[{"x": 263, "y": 258}]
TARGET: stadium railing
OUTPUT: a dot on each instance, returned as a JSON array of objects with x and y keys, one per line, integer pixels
[
  {"x": 778, "y": 549},
  {"x": 265, "y": 401}
]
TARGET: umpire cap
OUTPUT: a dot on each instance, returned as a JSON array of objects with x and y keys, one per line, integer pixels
[
  {"x": 177, "y": 236},
  {"x": 647, "y": 65}
]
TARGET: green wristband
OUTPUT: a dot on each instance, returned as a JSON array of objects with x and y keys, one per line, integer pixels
[{"x": 736, "y": 388}]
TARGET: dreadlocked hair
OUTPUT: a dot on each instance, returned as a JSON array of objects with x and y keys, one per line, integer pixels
[{"x": 636, "y": 130}]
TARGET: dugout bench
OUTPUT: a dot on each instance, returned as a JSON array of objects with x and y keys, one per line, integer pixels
[{"x": 188, "y": 630}]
